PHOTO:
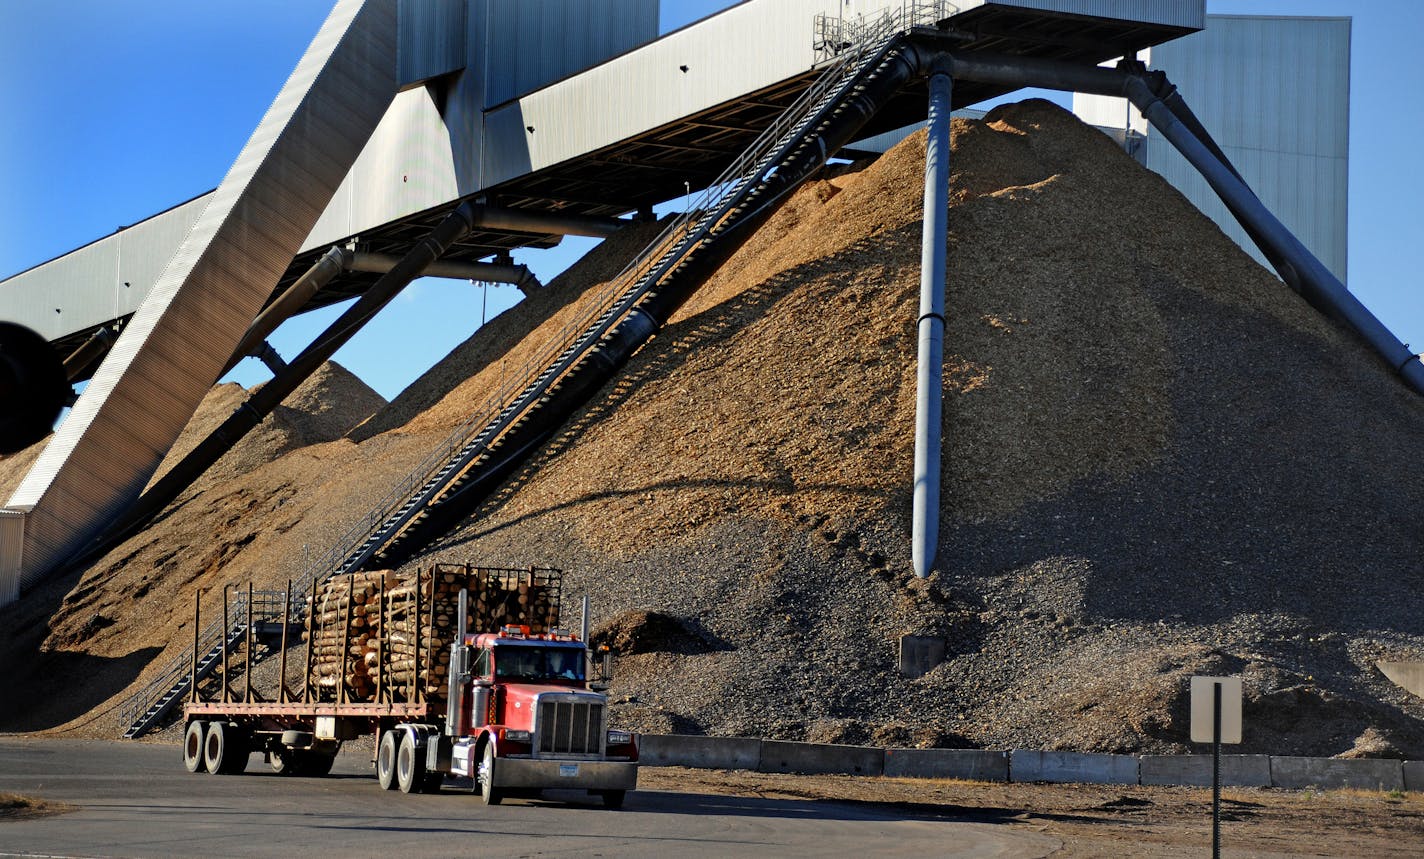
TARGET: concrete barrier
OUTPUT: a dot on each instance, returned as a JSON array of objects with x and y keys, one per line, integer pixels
[
  {"x": 714, "y": 753},
  {"x": 814, "y": 758},
  {"x": 1195, "y": 770},
  {"x": 1025, "y": 765},
  {"x": 1332, "y": 773},
  {"x": 1413, "y": 775},
  {"x": 968, "y": 764}
]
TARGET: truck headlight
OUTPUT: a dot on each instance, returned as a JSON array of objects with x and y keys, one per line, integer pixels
[
  {"x": 619, "y": 738},
  {"x": 517, "y": 736}
]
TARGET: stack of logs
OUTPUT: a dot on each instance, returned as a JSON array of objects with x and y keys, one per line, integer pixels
[{"x": 384, "y": 636}]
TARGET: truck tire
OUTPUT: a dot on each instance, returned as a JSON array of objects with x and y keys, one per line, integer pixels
[
  {"x": 193, "y": 738},
  {"x": 410, "y": 765},
  {"x": 613, "y": 799},
  {"x": 224, "y": 749},
  {"x": 489, "y": 795},
  {"x": 386, "y": 760}
]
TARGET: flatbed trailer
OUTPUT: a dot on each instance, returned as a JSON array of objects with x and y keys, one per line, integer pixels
[{"x": 517, "y": 716}]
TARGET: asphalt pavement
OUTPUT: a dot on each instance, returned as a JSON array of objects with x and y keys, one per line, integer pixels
[{"x": 136, "y": 800}]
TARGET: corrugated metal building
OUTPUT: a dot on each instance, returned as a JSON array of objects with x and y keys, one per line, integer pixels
[{"x": 1275, "y": 93}]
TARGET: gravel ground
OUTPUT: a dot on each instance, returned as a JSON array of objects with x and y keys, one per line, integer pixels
[{"x": 1158, "y": 462}]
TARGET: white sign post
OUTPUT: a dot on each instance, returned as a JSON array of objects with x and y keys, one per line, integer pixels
[{"x": 1216, "y": 719}]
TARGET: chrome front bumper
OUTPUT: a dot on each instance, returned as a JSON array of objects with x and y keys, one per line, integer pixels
[{"x": 570, "y": 775}]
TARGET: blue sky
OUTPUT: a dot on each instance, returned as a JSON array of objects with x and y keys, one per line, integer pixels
[{"x": 117, "y": 110}]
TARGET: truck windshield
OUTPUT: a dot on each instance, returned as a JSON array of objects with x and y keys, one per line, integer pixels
[{"x": 538, "y": 663}]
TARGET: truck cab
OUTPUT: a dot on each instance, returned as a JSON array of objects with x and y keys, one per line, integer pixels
[{"x": 522, "y": 717}]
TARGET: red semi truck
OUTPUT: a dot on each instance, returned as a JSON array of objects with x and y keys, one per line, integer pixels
[{"x": 518, "y": 716}]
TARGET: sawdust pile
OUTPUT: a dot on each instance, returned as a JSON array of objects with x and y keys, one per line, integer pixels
[{"x": 1157, "y": 462}]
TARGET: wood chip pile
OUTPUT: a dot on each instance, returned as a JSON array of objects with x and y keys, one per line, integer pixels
[{"x": 386, "y": 636}]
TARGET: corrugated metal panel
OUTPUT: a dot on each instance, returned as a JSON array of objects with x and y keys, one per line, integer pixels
[
  {"x": 12, "y": 539},
  {"x": 1275, "y": 93},
  {"x": 72, "y": 293},
  {"x": 743, "y": 49},
  {"x": 405, "y": 167},
  {"x": 1177, "y": 13},
  {"x": 145, "y": 249},
  {"x": 530, "y": 43},
  {"x": 432, "y": 40},
  {"x": 176, "y": 344}
]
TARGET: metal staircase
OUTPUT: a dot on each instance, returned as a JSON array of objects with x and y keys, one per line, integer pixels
[
  {"x": 745, "y": 189},
  {"x": 151, "y": 703}
]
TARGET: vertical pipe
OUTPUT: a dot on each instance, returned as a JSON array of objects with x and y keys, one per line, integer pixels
[
  {"x": 193, "y": 668},
  {"x": 345, "y": 640},
  {"x": 286, "y": 618},
  {"x": 934, "y": 237},
  {"x": 413, "y": 692},
  {"x": 430, "y": 640}
]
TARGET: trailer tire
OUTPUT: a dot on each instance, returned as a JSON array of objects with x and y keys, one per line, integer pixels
[
  {"x": 489, "y": 794},
  {"x": 283, "y": 761},
  {"x": 613, "y": 799},
  {"x": 386, "y": 760},
  {"x": 193, "y": 738},
  {"x": 224, "y": 749},
  {"x": 410, "y": 765}
]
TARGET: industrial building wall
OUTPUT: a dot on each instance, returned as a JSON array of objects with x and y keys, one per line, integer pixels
[{"x": 1275, "y": 93}]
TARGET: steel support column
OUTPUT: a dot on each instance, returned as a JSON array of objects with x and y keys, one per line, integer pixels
[{"x": 935, "y": 237}]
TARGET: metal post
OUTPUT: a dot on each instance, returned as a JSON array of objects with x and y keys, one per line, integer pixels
[
  {"x": 311, "y": 636},
  {"x": 413, "y": 692},
  {"x": 225, "y": 631},
  {"x": 935, "y": 235},
  {"x": 193, "y": 667},
  {"x": 286, "y": 619},
  {"x": 345, "y": 637},
  {"x": 381, "y": 644},
  {"x": 1216, "y": 770},
  {"x": 247, "y": 652}
]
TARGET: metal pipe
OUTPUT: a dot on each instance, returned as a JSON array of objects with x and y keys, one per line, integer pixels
[
  {"x": 381, "y": 644},
  {"x": 1017, "y": 72},
  {"x": 311, "y": 636},
  {"x": 193, "y": 666},
  {"x": 292, "y": 300},
  {"x": 225, "y": 630},
  {"x": 1316, "y": 284},
  {"x": 519, "y": 275},
  {"x": 268, "y": 355},
  {"x": 934, "y": 238},
  {"x": 346, "y": 637},
  {"x": 546, "y": 223},
  {"x": 90, "y": 352}
]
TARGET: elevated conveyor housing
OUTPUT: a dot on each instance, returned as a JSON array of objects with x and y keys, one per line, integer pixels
[
  {"x": 591, "y": 350},
  {"x": 178, "y": 341}
]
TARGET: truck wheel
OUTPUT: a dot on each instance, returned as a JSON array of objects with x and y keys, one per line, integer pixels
[
  {"x": 224, "y": 749},
  {"x": 193, "y": 746},
  {"x": 488, "y": 794},
  {"x": 386, "y": 761},
  {"x": 613, "y": 799},
  {"x": 410, "y": 767},
  {"x": 283, "y": 761}
]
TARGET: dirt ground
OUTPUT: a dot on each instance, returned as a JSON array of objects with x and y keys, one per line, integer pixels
[{"x": 1113, "y": 820}]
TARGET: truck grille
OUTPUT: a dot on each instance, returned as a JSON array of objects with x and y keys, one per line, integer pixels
[{"x": 569, "y": 726}]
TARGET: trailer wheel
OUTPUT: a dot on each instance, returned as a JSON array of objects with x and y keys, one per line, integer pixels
[
  {"x": 489, "y": 795},
  {"x": 224, "y": 749},
  {"x": 613, "y": 799},
  {"x": 386, "y": 760},
  {"x": 283, "y": 761},
  {"x": 193, "y": 746},
  {"x": 410, "y": 767}
]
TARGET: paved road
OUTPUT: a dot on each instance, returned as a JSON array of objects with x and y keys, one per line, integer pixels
[{"x": 136, "y": 800}]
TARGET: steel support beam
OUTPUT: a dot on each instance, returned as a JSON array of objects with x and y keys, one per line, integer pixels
[
  {"x": 519, "y": 275},
  {"x": 934, "y": 239}
]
